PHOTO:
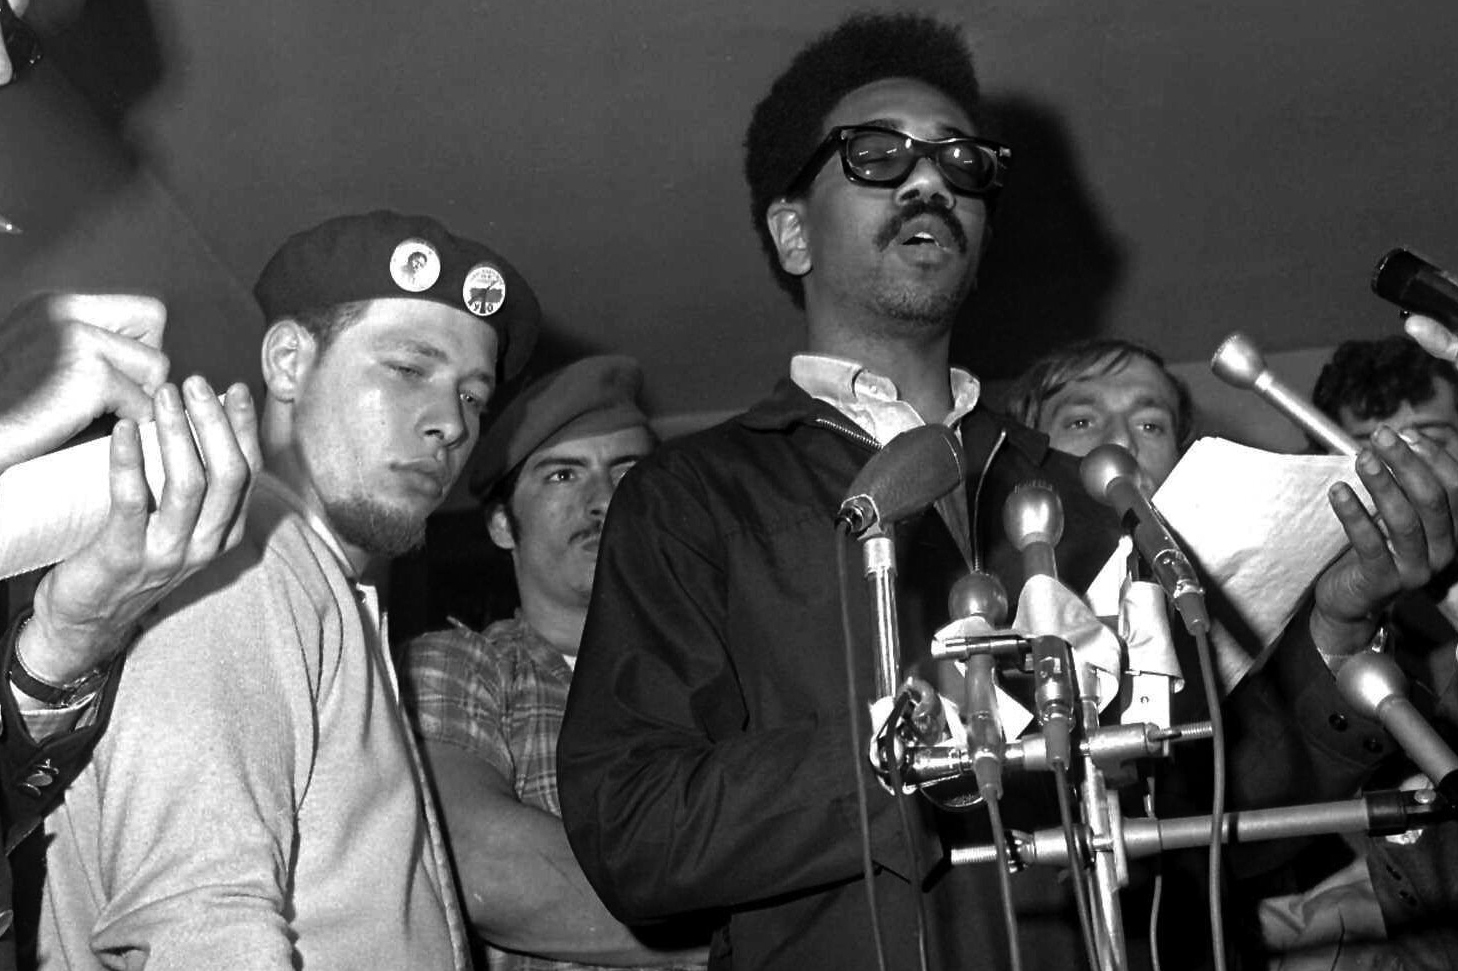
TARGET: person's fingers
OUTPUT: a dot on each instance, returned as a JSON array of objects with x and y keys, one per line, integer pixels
[
  {"x": 1434, "y": 338},
  {"x": 1373, "y": 558},
  {"x": 1398, "y": 515},
  {"x": 185, "y": 485},
  {"x": 1419, "y": 472},
  {"x": 134, "y": 315},
  {"x": 124, "y": 535},
  {"x": 226, "y": 465},
  {"x": 123, "y": 372},
  {"x": 244, "y": 418}
]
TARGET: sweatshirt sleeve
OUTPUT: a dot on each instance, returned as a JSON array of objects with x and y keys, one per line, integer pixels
[{"x": 189, "y": 815}]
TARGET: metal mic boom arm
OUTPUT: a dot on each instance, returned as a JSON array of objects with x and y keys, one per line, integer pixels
[{"x": 1377, "y": 813}]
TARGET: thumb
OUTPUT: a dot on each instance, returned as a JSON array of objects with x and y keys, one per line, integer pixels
[{"x": 1436, "y": 339}]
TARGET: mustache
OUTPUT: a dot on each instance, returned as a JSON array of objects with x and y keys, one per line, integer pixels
[
  {"x": 593, "y": 531},
  {"x": 913, "y": 209}
]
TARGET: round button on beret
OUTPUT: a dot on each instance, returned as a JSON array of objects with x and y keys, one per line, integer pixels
[
  {"x": 593, "y": 396},
  {"x": 389, "y": 254}
]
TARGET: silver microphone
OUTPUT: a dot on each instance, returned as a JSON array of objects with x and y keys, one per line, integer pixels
[
  {"x": 1375, "y": 686},
  {"x": 980, "y": 594},
  {"x": 1033, "y": 519},
  {"x": 1238, "y": 363}
]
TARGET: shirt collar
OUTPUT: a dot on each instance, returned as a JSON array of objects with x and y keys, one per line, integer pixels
[{"x": 872, "y": 400}]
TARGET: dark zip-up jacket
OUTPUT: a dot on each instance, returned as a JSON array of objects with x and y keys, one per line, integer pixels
[{"x": 706, "y": 758}]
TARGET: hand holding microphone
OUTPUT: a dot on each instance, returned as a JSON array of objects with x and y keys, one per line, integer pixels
[
  {"x": 1427, "y": 294},
  {"x": 1432, "y": 337}
]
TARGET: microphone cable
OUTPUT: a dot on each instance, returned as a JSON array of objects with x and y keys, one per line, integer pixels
[
  {"x": 1004, "y": 879},
  {"x": 1157, "y": 894},
  {"x": 1217, "y": 800},
  {"x": 863, "y": 811},
  {"x": 1076, "y": 869}
]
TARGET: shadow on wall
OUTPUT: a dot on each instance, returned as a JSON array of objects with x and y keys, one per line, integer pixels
[
  {"x": 63, "y": 122},
  {"x": 1052, "y": 264}
]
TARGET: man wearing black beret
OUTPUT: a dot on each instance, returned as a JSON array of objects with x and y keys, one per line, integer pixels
[
  {"x": 489, "y": 704},
  {"x": 258, "y": 800}
]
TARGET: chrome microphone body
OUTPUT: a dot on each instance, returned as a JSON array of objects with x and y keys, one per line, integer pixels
[
  {"x": 1033, "y": 519},
  {"x": 1376, "y": 686},
  {"x": 1111, "y": 476},
  {"x": 1238, "y": 363}
]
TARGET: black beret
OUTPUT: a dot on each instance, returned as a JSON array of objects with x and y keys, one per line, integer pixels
[
  {"x": 387, "y": 254},
  {"x": 593, "y": 396}
]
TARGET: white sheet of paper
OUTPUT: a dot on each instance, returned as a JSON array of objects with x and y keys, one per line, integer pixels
[
  {"x": 53, "y": 505},
  {"x": 1261, "y": 529}
]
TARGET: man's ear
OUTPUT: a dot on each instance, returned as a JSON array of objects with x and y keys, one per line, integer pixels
[
  {"x": 498, "y": 526},
  {"x": 289, "y": 352},
  {"x": 786, "y": 222}
]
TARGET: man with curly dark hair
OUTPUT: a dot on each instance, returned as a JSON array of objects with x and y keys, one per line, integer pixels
[
  {"x": 1408, "y": 882},
  {"x": 718, "y": 765},
  {"x": 1391, "y": 381}
]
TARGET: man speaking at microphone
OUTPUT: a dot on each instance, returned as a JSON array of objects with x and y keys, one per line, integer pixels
[{"x": 712, "y": 766}]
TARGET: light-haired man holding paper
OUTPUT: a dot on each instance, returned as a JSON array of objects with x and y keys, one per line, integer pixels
[{"x": 65, "y": 360}]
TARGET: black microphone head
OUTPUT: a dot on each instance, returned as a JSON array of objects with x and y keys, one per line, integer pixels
[
  {"x": 1238, "y": 361},
  {"x": 978, "y": 594},
  {"x": 1395, "y": 272},
  {"x": 1033, "y": 514},
  {"x": 1367, "y": 679},
  {"x": 1105, "y": 465},
  {"x": 913, "y": 470}
]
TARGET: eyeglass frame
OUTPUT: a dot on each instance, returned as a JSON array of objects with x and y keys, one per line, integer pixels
[{"x": 836, "y": 142}]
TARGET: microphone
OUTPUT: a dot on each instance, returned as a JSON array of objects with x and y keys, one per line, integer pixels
[
  {"x": 1375, "y": 685},
  {"x": 914, "y": 470},
  {"x": 1033, "y": 519},
  {"x": 1111, "y": 476},
  {"x": 1417, "y": 286},
  {"x": 981, "y": 595},
  {"x": 1238, "y": 362}
]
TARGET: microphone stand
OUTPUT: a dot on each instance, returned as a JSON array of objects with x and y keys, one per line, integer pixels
[
  {"x": 1382, "y": 813},
  {"x": 1103, "y": 821}
]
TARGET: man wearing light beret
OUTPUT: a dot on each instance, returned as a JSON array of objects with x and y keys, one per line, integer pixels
[{"x": 489, "y": 704}]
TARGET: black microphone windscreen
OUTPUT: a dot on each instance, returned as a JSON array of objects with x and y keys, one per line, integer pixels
[
  {"x": 1417, "y": 286},
  {"x": 913, "y": 470}
]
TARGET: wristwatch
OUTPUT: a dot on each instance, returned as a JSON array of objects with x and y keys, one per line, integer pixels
[{"x": 47, "y": 693}]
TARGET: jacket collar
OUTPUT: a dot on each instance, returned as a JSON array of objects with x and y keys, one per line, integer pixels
[{"x": 789, "y": 405}]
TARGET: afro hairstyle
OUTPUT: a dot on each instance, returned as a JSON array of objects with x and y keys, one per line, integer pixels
[{"x": 789, "y": 123}]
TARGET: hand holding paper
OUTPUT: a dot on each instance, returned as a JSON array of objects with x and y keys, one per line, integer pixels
[{"x": 85, "y": 608}]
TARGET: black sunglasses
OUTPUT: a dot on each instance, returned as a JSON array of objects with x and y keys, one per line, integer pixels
[
  {"x": 872, "y": 155},
  {"x": 21, "y": 44}
]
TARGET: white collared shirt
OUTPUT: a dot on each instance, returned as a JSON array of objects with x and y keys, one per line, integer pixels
[{"x": 872, "y": 400}]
